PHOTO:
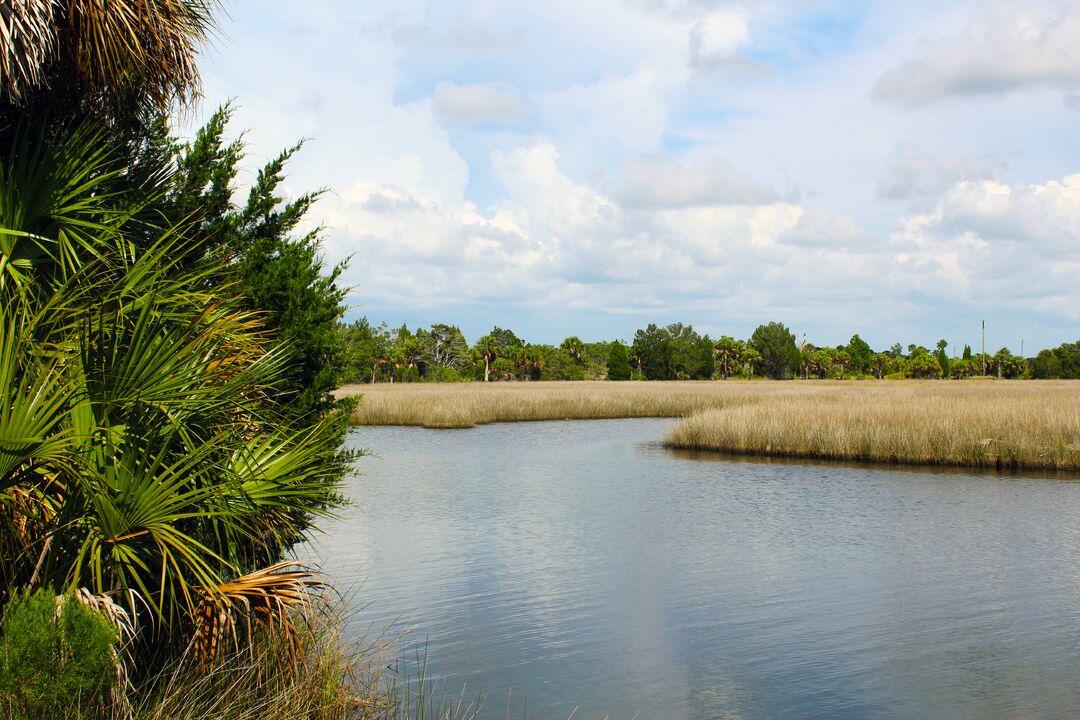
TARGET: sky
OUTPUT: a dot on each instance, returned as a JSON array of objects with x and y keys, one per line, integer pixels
[{"x": 901, "y": 170}]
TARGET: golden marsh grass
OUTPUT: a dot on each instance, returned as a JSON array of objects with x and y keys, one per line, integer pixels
[
  {"x": 1011, "y": 424},
  {"x": 463, "y": 405}
]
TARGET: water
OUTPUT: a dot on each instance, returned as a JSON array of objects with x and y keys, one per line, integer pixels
[{"x": 581, "y": 565}]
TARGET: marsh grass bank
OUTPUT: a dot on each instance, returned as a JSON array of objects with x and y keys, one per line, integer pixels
[
  {"x": 1016, "y": 426},
  {"x": 329, "y": 674},
  {"x": 1012, "y": 425},
  {"x": 465, "y": 405}
]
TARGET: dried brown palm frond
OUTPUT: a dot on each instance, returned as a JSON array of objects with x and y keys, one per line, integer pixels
[
  {"x": 28, "y": 41},
  {"x": 112, "y": 48},
  {"x": 110, "y": 610},
  {"x": 150, "y": 44},
  {"x": 271, "y": 598},
  {"x": 125, "y": 627}
]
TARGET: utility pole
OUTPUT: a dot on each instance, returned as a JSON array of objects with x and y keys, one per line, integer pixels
[
  {"x": 983, "y": 353},
  {"x": 1021, "y": 347}
]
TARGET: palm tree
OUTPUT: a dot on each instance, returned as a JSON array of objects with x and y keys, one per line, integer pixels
[
  {"x": 879, "y": 364},
  {"x": 727, "y": 352},
  {"x": 751, "y": 360},
  {"x": 111, "y": 52},
  {"x": 139, "y": 456},
  {"x": 574, "y": 347},
  {"x": 488, "y": 349}
]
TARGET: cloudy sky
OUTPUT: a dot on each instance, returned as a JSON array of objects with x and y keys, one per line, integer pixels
[{"x": 897, "y": 169}]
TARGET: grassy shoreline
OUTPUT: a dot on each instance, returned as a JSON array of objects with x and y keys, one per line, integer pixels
[
  {"x": 1030, "y": 425},
  {"x": 465, "y": 405}
]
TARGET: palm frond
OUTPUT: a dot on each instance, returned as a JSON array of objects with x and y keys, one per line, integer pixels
[
  {"x": 111, "y": 50},
  {"x": 269, "y": 598},
  {"x": 58, "y": 209},
  {"x": 34, "y": 404},
  {"x": 28, "y": 41},
  {"x": 151, "y": 44},
  {"x": 130, "y": 516}
]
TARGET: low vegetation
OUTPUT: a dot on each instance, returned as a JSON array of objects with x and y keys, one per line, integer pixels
[
  {"x": 463, "y": 405},
  {"x": 1017, "y": 425},
  {"x": 1024, "y": 425},
  {"x": 332, "y": 679}
]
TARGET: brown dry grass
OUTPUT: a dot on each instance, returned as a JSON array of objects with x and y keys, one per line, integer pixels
[
  {"x": 1012, "y": 424},
  {"x": 462, "y": 405}
]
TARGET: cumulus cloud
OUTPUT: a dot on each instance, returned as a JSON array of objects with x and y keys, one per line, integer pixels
[
  {"x": 625, "y": 176},
  {"x": 384, "y": 200},
  {"x": 659, "y": 181},
  {"x": 714, "y": 42},
  {"x": 488, "y": 102},
  {"x": 619, "y": 114},
  {"x": 1043, "y": 217},
  {"x": 1007, "y": 44},
  {"x": 555, "y": 241},
  {"x": 817, "y": 228},
  {"x": 719, "y": 34},
  {"x": 914, "y": 173},
  {"x": 996, "y": 244}
]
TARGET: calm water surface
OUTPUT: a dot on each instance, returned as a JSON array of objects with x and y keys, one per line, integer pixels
[{"x": 581, "y": 565}]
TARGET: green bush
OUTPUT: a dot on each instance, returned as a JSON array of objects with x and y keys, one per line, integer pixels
[
  {"x": 54, "y": 664},
  {"x": 443, "y": 374}
]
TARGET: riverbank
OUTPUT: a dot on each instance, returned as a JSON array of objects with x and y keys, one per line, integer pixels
[{"x": 1014, "y": 425}]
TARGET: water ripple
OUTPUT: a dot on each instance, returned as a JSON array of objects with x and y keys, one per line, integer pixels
[{"x": 581, "y": 565}]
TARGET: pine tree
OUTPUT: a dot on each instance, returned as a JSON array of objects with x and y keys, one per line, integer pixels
[{"x": 280, "y": 273}]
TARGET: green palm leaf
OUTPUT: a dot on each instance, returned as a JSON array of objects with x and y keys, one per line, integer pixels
[
  {"x": 135, "y": 506},
  {"x": 33, "y": 406},
  {"x": 57, "y": 206}
]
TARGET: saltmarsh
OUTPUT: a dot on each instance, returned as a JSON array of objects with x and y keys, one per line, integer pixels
[
  {"x": 1010, "y": 424},
  {"x": 463, "y": 405}
]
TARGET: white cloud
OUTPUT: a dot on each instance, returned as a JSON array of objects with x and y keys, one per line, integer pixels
[
  {"x": 1008, "y": 44},
  {"x": 384, "y": 199},
  {"x": 1043, "y": 217},
  {"x": 817, "y": 228},
  {"x": 621, "y": 173},
  {"x": 914, "y": 173},
  {"x": 718, "y": 34},
  {"x": 659, "y": 181},
  {"x": 996, "y": 245},
  {"x": 486, "y": 102},
  {"x": 610, "y": 117}
]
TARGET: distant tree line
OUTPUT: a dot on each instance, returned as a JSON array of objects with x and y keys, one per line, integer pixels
[
  {"x": 1060, "y": 362},
  {"x": 379, "y": 353}
]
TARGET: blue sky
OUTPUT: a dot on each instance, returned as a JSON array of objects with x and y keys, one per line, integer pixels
[{"x": 900, "y": 170}]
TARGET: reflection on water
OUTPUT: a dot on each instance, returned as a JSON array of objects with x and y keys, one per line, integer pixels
[{"x": 582, "y": 565}]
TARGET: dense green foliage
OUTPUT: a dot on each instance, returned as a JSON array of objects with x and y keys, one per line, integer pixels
[
  {"x": 1060, "y": 362},
  {"x": 675, "y": 352},
  {"x": 618, "y": 367},
  {"x": 166, "y": 357},
  {"x": 57, "y": 657},
  {"x": 279, "y": 272},
  {"x": 144, "y": 455},
  {"x": 776, "y": 346}
]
